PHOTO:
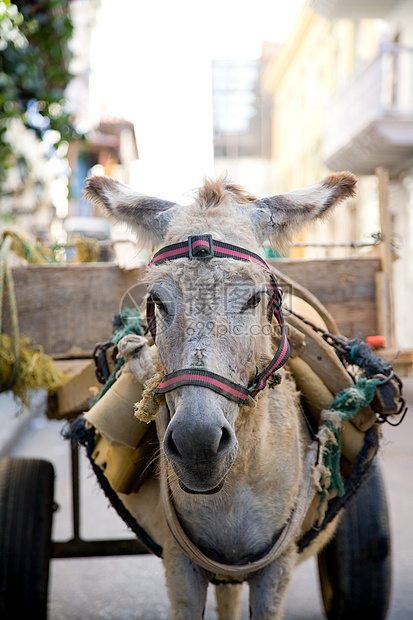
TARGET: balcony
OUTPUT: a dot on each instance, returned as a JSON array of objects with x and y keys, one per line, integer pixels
[
  {"x": 369, "y": 120},
  {"x": 353, "y": 9}
]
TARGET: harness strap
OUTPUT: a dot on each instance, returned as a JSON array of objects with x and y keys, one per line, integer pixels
[
  {"x": 283, "y": 352},
  {"x": 204, "y": 247},
  {"x": 205, "y": 378},
  {"x": 150, "y": 317}
]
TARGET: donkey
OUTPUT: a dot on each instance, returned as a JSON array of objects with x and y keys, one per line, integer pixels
[{"x": 236, "y": 463}]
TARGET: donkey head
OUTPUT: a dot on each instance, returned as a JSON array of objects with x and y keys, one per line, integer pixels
[{"x": 212, "y": 313}]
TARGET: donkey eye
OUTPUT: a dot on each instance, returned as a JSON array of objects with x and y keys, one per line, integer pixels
[
  {"x": 253, "y": 302},
  {"x": 159, "y": 304}
]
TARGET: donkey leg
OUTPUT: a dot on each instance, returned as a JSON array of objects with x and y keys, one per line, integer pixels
[
  {"x": 187, "y": 585},
  {"x": 228, "y": 601},
  {"x": 268, "y": 588}
]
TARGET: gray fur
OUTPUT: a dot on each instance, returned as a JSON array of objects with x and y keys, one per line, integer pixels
[
  {"x": 286, "y": 213},
  {"x": 145, "y": 215}
]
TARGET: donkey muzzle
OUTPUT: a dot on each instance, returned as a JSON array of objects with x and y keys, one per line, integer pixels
[{"x": 201, "y": 447}]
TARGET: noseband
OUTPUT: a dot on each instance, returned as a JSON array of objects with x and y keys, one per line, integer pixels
[{"x": 203, "y": 247}]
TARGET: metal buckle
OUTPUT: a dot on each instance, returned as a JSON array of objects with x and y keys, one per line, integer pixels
[
  {"x": 200, "y": 256},
  {"x": 102, "y": 370}
]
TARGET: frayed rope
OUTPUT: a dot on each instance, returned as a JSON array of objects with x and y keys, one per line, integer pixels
[{"x": 346, "y": 404}]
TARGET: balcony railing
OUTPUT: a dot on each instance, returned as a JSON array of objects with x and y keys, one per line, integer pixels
[
  {"x": 373, "y": 108},
  {"x": 353, "y": 9}
]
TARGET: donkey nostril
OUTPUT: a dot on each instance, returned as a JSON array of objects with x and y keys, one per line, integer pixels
[
  {"x": 170, "y": 447},
  {"x": 198, "y": 444},
  {"x": 225, "y": 441}
]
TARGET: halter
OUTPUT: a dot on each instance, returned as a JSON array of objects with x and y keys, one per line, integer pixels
[{"x": 202, "y": 247}]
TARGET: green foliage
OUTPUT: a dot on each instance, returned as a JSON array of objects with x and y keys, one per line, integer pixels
[{"x": 34, "y": 71}]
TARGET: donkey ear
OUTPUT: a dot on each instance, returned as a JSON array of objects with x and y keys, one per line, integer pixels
[
  {"x": 279, "y": 217},
  {"x": 148, "y": 217}
]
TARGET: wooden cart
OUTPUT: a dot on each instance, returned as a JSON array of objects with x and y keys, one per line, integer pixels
[{"x": 68, "y": 309}]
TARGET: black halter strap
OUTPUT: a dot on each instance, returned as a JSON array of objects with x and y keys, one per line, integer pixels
[{"x": 204, "y": 247}]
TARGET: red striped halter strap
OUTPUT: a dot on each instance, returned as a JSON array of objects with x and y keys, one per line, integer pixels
[{"x": 203, "y": 247}]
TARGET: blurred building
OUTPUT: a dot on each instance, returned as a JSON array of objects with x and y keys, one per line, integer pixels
[
  {"x": 242, "y": 121},
  {"x": 108, "y": 149},
  {"x": 109, "y": 146},
  {"x": 27, "y": 201},
  {"x": 369, "y": 120},
  {"x": 317, "y": 59},
  {"x": 343, "y": 100},
  {"x": 42, "y": 193}
]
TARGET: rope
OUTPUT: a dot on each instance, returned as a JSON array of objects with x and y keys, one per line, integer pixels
[
  {"x": 21, "y": 245},
  {"x": 358, "y": 475},
  {"x": 10, "y": 349},
  {"x": 359, "y": 353},
  {"x": 31, "y": 370},
  {"x": 345, "y": 405},
  {"x": 87, "y": 250}
]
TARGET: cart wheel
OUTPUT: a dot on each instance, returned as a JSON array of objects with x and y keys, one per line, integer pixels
[
  {"x": 26, "y": 508},
  {"x": 355, "y": 567}
]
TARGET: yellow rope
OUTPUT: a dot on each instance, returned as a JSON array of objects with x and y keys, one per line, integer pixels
[
  {"x": 87, "y": 250},
  {"x": 6, "y": 281},
  {"x": 24, "y": 247},
  {"x": 31, "y": 370}
]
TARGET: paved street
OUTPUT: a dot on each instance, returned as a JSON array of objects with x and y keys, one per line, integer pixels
[{"x": 126, "y": 588}]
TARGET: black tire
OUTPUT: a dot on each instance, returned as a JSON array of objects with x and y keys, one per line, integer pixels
[
  {"x": 355, "y": 567},
  {"x": 26, "y": 509}
]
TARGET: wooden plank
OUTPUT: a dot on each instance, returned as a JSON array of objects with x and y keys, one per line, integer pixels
[
  {"x": 386, "y": 298},
  {"x": 402, "y": 361},
  {"x": 74, "y": 396},
  {"x": 72, "y": 367},
  {"x": 355, "y": 319},
  {"x": 345, "y": 286},
  {"x": 69, "y": 308},
  {"x": 383, "y": 316},
  {"x": 322, "y": 358},
  {"x": 333, "y": 280}
]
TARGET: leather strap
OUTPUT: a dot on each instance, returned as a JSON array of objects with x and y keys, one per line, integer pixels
[{"x": 203, "y": 247}]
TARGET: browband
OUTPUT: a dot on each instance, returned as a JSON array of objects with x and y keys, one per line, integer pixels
[{"x": 204, "y": 247}]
